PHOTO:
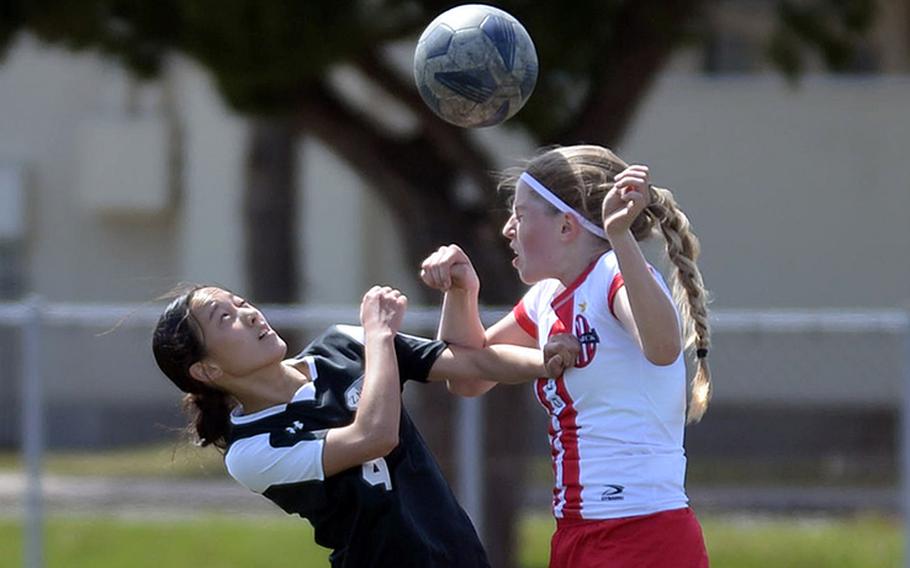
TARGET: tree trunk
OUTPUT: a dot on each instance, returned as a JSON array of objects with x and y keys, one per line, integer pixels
[
  {"x": 416, "y": 181},
  {"x": 270, "y": 210}
]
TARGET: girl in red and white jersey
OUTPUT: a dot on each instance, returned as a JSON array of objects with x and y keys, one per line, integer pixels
[{"x": 617, "y": 418}]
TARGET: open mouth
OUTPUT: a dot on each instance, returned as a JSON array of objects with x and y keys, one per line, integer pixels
[{"x": 264, "y": 332}]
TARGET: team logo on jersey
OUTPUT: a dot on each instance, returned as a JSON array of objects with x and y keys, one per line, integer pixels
[
  {"x": 352, "y": 395},
  {"x": 612, "y": 493},
  {"x": 588, "y": 338}
]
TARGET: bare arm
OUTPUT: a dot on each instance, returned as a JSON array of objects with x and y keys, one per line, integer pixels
[
  {"x": 508, "y": 364},
  {"x": 642, "y": 306},
  {"x": 477, "y": 360},
  {"x": 374, "y": 432},
  {"x": 450, "y": 270}
]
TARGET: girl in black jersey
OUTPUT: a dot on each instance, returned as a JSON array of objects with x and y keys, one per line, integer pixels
[{"x": 323, "y": 434}]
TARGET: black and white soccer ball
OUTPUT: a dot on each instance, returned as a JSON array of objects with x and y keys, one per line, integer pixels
[{"x": 475, "y": 65}]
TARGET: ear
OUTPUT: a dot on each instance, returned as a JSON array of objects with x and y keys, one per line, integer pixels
[
  {"x": 205, "y": 372},
  {"x": 569, "y": 227}
]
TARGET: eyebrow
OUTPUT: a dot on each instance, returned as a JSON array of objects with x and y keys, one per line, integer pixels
[{"x": 214, "y": 307}]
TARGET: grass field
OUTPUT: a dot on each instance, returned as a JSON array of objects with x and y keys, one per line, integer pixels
[
  {"x": 265, "y": 542},
  {"x": 733, "y": 542}
]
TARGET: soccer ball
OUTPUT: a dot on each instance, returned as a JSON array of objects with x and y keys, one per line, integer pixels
[{"x": 475, "y": 65}]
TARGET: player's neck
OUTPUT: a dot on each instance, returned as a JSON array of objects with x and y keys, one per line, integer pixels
[
  {"x": 270, "y": 387},
  {"x": 578, "y": 261}
]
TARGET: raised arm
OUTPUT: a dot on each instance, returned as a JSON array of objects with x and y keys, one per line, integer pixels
[
  {"x": 374, "y": 432},
  {"x": 449, "y": 270},
  {"x": 641, "y": 305}
]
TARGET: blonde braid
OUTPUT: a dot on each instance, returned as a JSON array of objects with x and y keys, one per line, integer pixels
[{"x": 688, "y": 291}]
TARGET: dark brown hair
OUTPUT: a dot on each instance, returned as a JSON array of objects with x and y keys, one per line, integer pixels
[{"x": 177, "y": 344}]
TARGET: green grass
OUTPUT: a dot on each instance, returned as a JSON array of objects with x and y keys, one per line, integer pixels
[
  {"x": 841, "y": 543},
  {"x": 741, "y": 542},
  {"x": 179, "y": 459},
  {"x": 260, "y": 542},
  {"x": 167, "y": 460},
  {"x": 79, "y": 542}
]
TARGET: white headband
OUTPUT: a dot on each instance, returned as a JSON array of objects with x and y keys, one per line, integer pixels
[{"x": 561, "y": 205}]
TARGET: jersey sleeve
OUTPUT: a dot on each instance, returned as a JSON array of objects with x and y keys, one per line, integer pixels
[
  {"x": 416, "y": 356},
  {"x": 257, "y": 465},
  {"x": 527, "y": 309},
  {"x": 615, "y": 282}
]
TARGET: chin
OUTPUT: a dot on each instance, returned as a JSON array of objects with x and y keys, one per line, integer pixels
[{"x": 528, "y": 278}]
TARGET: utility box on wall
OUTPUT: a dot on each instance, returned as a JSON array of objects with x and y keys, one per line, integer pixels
[{"x": 123, "y": 165}]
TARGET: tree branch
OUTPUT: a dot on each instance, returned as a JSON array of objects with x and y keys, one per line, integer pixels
[
  {"x": 650, "y": 31},
  {"x": 416, "y": 182},
  {"x": 452, "y": 141}
]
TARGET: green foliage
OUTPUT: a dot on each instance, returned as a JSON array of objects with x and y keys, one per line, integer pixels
[
  {"x": 832, "y": 28},
  {"x": 266, "y": 56}
]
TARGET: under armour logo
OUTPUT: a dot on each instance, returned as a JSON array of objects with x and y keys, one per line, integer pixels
[{"x": 297, "y": 427}]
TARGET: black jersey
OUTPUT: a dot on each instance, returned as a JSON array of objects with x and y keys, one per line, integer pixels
[{"x": 392, "y": 511}]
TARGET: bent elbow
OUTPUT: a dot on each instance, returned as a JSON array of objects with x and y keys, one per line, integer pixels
[
  {"x": 377, "y": 442},
  {"x": 387, "y": 445},
  {"x": 663, "y": 355},
  {"x": 379, "y": 446}
]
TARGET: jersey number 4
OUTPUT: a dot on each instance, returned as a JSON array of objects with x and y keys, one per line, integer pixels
[{"x": 376, "y": 472}]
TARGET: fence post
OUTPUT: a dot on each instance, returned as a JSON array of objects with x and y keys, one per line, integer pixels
[
  {"x": 32, "y": 434},
  {"x": 905, "y": 437},
  {"x": 469, "y": 452}
]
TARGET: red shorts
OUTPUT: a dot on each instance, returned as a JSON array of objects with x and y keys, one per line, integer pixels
[{"x": 665, "y": 539}]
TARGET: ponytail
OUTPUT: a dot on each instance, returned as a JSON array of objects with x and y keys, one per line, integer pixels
[
  {"x": 688, "y": 292},
  {"x": 209, "y": 413},
  {"x": 582, "y": 176}
]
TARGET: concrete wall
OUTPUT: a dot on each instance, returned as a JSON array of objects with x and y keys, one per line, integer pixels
[{"x": 799, "y": 194}]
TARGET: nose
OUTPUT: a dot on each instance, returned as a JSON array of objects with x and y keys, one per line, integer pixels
[
  {"x": 251, "y": 316},
  {"x": 508, "y": 230}
]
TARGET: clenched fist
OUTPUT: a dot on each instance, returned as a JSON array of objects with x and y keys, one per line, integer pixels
[{"x": 560, "y": 353}]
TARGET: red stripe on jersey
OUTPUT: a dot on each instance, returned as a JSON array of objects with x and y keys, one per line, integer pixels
[
  {"x": 567, "y": 418},
  {"x": 542, "y": 399},
  {"x": 524, "y": 320},
  {"x": 617, "y": 283},
  {"x": 564, "y": 313},
  {"x": 571, "y": 460},
  {"x": 571, "y": 288}
]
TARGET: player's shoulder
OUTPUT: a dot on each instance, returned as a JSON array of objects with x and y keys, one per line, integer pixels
[
  {"x": 339, "y": 332},
  {"x": 607, "y": 261},
  {"x": 244, "y": 458},
  {"x": 338, "y": 338},
  {"x": 603, "y": 271}
]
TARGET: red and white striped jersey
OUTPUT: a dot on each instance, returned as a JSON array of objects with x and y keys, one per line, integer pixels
[{"x": 616, "y": 419}]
